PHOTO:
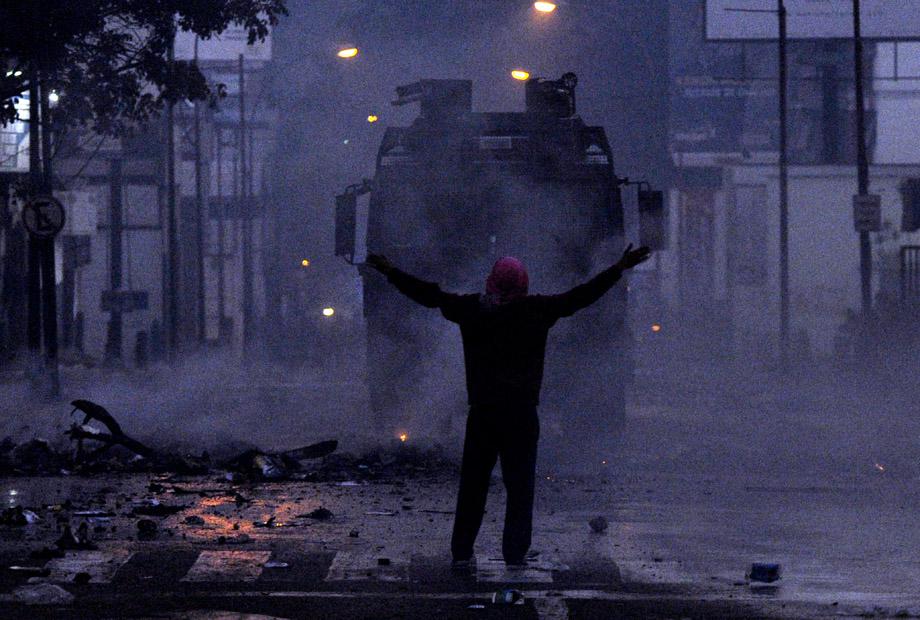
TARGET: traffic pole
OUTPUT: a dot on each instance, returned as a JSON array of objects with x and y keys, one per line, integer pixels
[
  {"x": 783, "y": 194},
  {"x": 862, "y": 165}
]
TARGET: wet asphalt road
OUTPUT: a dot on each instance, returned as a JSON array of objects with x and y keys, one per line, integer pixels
[{"x": 676, "y": 547}]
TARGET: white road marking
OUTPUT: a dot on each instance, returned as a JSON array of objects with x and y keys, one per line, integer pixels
[
  {"x": 551, "y": 608},
  {"x": 493, "y": 570},
  {"x": 224, "y": 566},
  {"x": 367, "y": 565},
  {"x": 101, "y": 566}
]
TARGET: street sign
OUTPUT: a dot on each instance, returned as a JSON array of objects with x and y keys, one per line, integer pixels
[
  {"x": 43, "y": 216},
  {"x": 123, "y": 301},
  {"x": 867, "y": 213}
]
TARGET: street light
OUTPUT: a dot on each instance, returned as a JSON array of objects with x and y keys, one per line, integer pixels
[
  {"x": 305, "y": 262},
  {"x": 544, "y": 7},
  {"x": 328, "y": 311},
  {"x": 372, "y": 118},
  {"x": 520, "y": 74},
  {"x": 348, "y": 52},
  {"x": 53, "y": 97}
]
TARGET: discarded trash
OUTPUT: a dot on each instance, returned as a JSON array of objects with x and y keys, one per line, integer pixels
[
  {"x": 153, "y": 508},
  {"x": 17, "y": 516},
  {"x": 598, "y": 524},
  {"x": 320, "y": 514},
  {"x": 242, "y": 539},
  {"x": 353, "y": 534},
  {"x": 380, "y": 513},
  {"x": 75, "y": 542},
  {"x": 93, "y": 513},
  {"x": 278, "y": 465},
  {"x": 508, "y": 597},
  {"x": 274, "y": 564},
  {"x": 270, "y": 522},
  {"x": 349, "y": 483},
  {"x": 31, "y": 571},
  {"x": 146, "y": 529},
  {"x": 42, "y": 594},
  {"x": 765, "y": 572},
  {"x": 476, "y": 606}
]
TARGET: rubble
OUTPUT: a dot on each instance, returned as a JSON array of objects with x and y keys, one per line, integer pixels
[
  {"x": 320, "y": 514},
  {"x": 17, "y": 516},
  {"x": 42, "y": 594},
  {"x": 598, "y": 524},
  {"x": 146, "y": 529}
]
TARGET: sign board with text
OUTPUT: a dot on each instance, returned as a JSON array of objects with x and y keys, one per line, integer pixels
[{"x": 751, "y": 20}]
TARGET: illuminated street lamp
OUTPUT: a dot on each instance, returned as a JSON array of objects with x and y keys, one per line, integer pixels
[
  {"x": 372, "y": 118},
  {"x": 348, "y": 52},
  {"x": 520, "y": 74},
  {"x": 544, "y": 7},
  {"x": 328, "y": 311},
  {"x": 305, "y": 262},
  {"x": 53, "y": 97}
]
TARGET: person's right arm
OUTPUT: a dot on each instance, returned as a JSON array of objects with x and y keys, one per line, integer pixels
[
  {"x": 425, "y": 293},
  {"x": 583, "y": 295}
]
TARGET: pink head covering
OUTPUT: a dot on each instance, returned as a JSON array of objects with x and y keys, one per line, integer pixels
[{"x": 508, "y": 280}]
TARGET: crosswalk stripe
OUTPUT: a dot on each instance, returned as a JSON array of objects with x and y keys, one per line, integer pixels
[
  {"x": 367, "y": 565},
  {"x": 227, "y": 566},
  {"x": 553, "y": 608},
  {"x": 100, "y": 565},
  {"x": 494, "y": 570}
]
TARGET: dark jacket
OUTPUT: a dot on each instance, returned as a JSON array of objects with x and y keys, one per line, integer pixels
[{"x": 504, "y": 344}]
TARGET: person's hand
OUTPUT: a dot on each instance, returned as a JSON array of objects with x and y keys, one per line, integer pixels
[
  {"x": 380, "y": 263},
  {"x": 632, "y": 257}
]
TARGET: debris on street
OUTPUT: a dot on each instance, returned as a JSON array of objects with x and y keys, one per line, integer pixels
[{"x": 598, "y": 524}]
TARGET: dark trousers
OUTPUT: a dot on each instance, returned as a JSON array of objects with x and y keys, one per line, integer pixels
[{"x": 511, "y": 434}]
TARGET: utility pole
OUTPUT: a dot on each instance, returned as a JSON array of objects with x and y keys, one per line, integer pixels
[
  {"x": 200, "y": 216},
  {"x": 49, "y": 285},
  {"x": 246, "y": 221},
  {"x": 34, "y": 299},
  {"x": 113, "y": 344},
  {"x": 172, "y": 290},
  {"x": 783, "y": 194},
  {"x": 862, "y": 165},
  {"x": 221, "y": 314}
]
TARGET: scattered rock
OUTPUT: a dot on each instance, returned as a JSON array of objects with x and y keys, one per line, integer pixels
[
  {"x": 42, "y": 594},
  {"x": 146, "y": 529},
  {"x": 598, "y": 524}
]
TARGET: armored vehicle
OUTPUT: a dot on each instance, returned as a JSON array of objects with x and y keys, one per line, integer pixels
[{"x": 455, "y": 191}]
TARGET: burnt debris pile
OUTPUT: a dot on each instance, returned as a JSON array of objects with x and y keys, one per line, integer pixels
[{"x": 96, "y": 444}]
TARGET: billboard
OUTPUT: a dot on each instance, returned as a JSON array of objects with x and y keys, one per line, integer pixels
[
  {"x": 741, "y": 20},
  {"x": 225, "y": 47}
]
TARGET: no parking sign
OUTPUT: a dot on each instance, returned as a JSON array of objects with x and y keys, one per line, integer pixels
[{"x": 43, "y": 216}]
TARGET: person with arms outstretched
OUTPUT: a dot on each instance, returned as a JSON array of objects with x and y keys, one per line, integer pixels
[{"x": 504, "y": 336}]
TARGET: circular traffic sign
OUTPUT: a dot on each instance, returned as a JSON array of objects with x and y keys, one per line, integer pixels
[{"x": 43, "y": 216}]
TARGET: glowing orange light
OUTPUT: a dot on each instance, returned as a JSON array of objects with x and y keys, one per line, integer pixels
[
  {"x": 656, "y": 328},
  {"x": 372, "y": 118},
  {"x": 544, "y": 7},
  {"x": 520, "y": 74},
  {"x": 305, "y": 262},
  {"x": 348, "y": 52},
  {"x": 403, "y": 437}
]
